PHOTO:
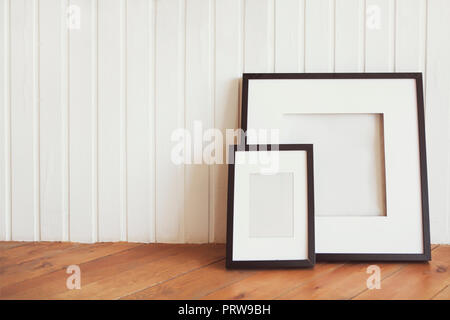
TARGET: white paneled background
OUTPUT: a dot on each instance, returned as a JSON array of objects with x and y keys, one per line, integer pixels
[{"x": 87, "y": 112}]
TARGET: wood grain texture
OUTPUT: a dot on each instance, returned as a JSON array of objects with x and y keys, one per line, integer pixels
[
  {"x": 195, "y": 284},
  {"x": 444, "y": 294},
  {"x": 11, "y": 244},
  {"x": 269, "y": 284},
  {"x": 343, "y": 282},
  {"x": 181, "y": 259},
  {"x": 18, "y": 253},
  {"x": 12, "y": 276},
  {"x": 168, "y": 271},
  {"x": 416, "y": 281},
  {"x": 93, "y": 270}
]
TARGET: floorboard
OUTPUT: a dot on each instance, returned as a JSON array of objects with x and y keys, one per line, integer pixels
[
  {"x": 120, "y": 270},
  {"x": 344, "y": 282},
  {"x": 416, "y": 280},
  {"x": 148, "y": 272},
  {"x": 269, "y": 284},
  {"x": 4, "y": 245},
  {"x": 444, "y": 294},
  {"x": 195, "y": 284},
  {"x": 12, "y": 276}
]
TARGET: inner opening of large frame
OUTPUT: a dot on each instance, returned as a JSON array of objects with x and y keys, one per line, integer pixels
[{"x": 349, "y": 160}]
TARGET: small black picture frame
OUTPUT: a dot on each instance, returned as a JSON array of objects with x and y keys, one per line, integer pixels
[{"x": 244, "y": 264}]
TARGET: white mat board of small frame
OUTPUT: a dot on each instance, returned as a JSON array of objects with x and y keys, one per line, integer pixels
[
  {"x": 270, "y": 219},
  {"x": 370, "y": 162}
]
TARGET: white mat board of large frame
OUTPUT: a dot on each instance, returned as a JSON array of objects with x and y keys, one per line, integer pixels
[{"x": 370, "y": 162}]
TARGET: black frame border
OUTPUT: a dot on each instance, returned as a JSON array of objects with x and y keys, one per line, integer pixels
[
  {"x": 417, "y": 76},
  {"x": 268, "y": 264}
]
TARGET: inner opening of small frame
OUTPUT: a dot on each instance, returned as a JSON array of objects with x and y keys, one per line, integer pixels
[
  {"x": 349, "y": 161},
  {"x": 271, "y": 204}
]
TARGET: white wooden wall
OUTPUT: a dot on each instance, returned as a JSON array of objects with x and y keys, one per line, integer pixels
[{"x": 86, "y": 114}]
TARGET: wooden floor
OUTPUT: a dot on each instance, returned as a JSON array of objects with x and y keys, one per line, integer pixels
[{"x": 163, "y": 271}]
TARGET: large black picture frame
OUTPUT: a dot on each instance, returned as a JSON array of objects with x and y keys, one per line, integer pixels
[
  {"x": 230, "y": 263},
  {"x": 426, "y": 255}
]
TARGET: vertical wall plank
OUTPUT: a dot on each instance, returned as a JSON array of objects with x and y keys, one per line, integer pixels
[
  {"x": 380, "y": 35},
  {"x": 7, "y": 120},
  {"x": 94, "y": 119},
  {"x": 82, "y": 90},
  {"x": 259, "y": 36},
  {"x": 4, "y": 114},
  {"x": 350, "y": 29},
  {"x": 109, "y": 120},
  {"x": 410, "y": 36},
  {"x": 170, "y": 101},
  {"x": 289, "y": 35},
  {"x": 36, "y": 123},
  {"x": 228, "y": 73},
  {"x": 51, "y": 153},
  {"x": 319, "y": 35},
  {"x": 22, "y": 18},
  {"x": 438, "y": 117},
  {"x": 152, "y": 117},
  {"x": 65, "y": 122},
  {"x": 123, "y": 182},
  {"x": 199, "y": 113},
  {"x": 139, "y": 58}
]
